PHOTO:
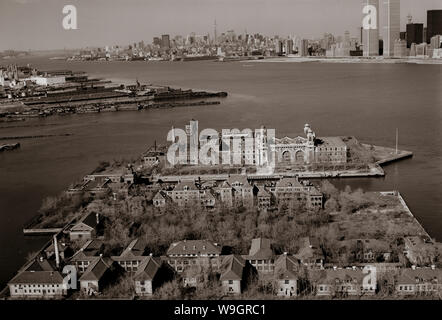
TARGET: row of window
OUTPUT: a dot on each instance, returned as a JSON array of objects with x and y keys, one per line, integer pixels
[
  {"x": 419, "y": 287},
  {"x": 254, "y": 262},
  {"x": 331, "y": 149},
  {"x": 21, "y": 286},
  {"x": 38, "y": 291},
  {"x": 323, "y": 288}
]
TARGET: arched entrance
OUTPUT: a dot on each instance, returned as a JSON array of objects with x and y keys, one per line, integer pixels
[{"x": 286, "y": 157}]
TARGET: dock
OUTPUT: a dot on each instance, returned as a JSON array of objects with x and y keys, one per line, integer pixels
[{"x": 41, "y": 231}]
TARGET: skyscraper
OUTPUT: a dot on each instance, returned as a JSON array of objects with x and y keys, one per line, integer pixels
[
  {"x": 392, "y": 29},
  {"x": 434, "y": 24},
  {"x": 165, "y": 41},
  {"x": 415, "y": 33},
  {"x": 370, "y": 25},
  {"x": 304, "y": 48}
]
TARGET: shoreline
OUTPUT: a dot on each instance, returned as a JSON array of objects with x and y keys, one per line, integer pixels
[{"x": 349, "y": 60}]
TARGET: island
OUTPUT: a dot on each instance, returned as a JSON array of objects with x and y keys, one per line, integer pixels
[{"x": 144, "y": 229}]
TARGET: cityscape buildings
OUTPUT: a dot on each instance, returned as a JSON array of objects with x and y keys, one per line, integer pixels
[
  {"x": 392, "y": 28},
  {"x": 434, "y": 24},
  {"x": 415, "y": 33},
  {"x": 370, "y": 32}
]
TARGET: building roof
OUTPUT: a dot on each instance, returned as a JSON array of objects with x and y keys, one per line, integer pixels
[
  {"x": 416, "y": 242},
  {"x": 80, "y": 255},
  {"x": 96, "y": 269},
  {"x": 261, "y": 248},
  {"x": 88, "y": 252},
  {"x": 61, "y": 247},
  {"x": 148, "y": 269},
  {"x": 410, "y": 276},
  {"x": 263, "y": 193},
  {"x": 159, "y": 196},
  {"x": 309, "y": 250},
  {"x": 328, "y": 142},
  {"x": 185, "y": 185},
  {"x": 232, "y": 268},
  {"x": 288, "y": 140},
  {"x": 134, "y": 250},
  {"x": 40, "y": 265},
  {"x": 87, "y": 223},
  {"x": 286, "y": 267},
  {"x": 332, "y": 276},
  {"x": 238, "y": 179},
  {"x": 289, "y": 182},
  {"x": 194, "y": 247},
  {"x": 40, "y": 277},
  {"x": 367, "y": 244}
]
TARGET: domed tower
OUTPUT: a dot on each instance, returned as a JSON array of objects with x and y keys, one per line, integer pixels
[
  {"x": 310, "y": 147},
  {"x": 311, "y": 136}
]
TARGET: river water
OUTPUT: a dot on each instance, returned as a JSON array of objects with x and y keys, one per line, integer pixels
[{"x": 368, "y": 101}]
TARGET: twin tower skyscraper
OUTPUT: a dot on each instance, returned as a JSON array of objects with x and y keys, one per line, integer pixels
[{"x": 371, "y": 28}]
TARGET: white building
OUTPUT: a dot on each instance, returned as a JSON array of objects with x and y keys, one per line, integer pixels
[{"x": 48, "y": 81}]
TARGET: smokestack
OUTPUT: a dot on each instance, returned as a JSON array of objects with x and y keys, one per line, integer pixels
[
  {"x": 57, "y": 257},
  {"x": 97, "y": 218}
]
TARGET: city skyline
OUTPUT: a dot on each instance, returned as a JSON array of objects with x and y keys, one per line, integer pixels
[{"x": 120, "y": 22}]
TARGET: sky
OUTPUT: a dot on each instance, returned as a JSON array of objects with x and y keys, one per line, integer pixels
[{"x": 37, "y": 24}]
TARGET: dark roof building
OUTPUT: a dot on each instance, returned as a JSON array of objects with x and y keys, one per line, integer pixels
[{"x": 197, "y": 248}]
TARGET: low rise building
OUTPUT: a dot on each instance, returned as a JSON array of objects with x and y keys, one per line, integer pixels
[
  {"x": 186, "y": 193},
  {"x": 85, "y": 228},
  {"x": 342, "y": 282},
  {"x": 38, "y": 284},
  {"x": 291, "y": 189},
  {"x": 419, "y": 250},
  {"x": 310, "y": 253},
  {"x": 286, "y": 275},
  {"x": 261, "y": 255},
  {"x": 146, "y": 277},
  {"x": 232, "y": 274},
  {"x": 263, "y": 199},
  {"x": 235, "y": 191},
  {"x": 87, "y": 255},
  {"x": 98, "y": 274},
  {"x": 161, "y": 199},
  {"x": 186, "y": 253},
  {"x": 131, "y": 258},
  {"x": 48, "y": 80},
  {"x": 419, "y": 281}
]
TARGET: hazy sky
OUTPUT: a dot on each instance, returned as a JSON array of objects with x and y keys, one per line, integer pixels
[{"x": 37, "y": 24}]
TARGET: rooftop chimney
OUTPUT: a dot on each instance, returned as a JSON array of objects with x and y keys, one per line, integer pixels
[{"x": 57, "y": 257}]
